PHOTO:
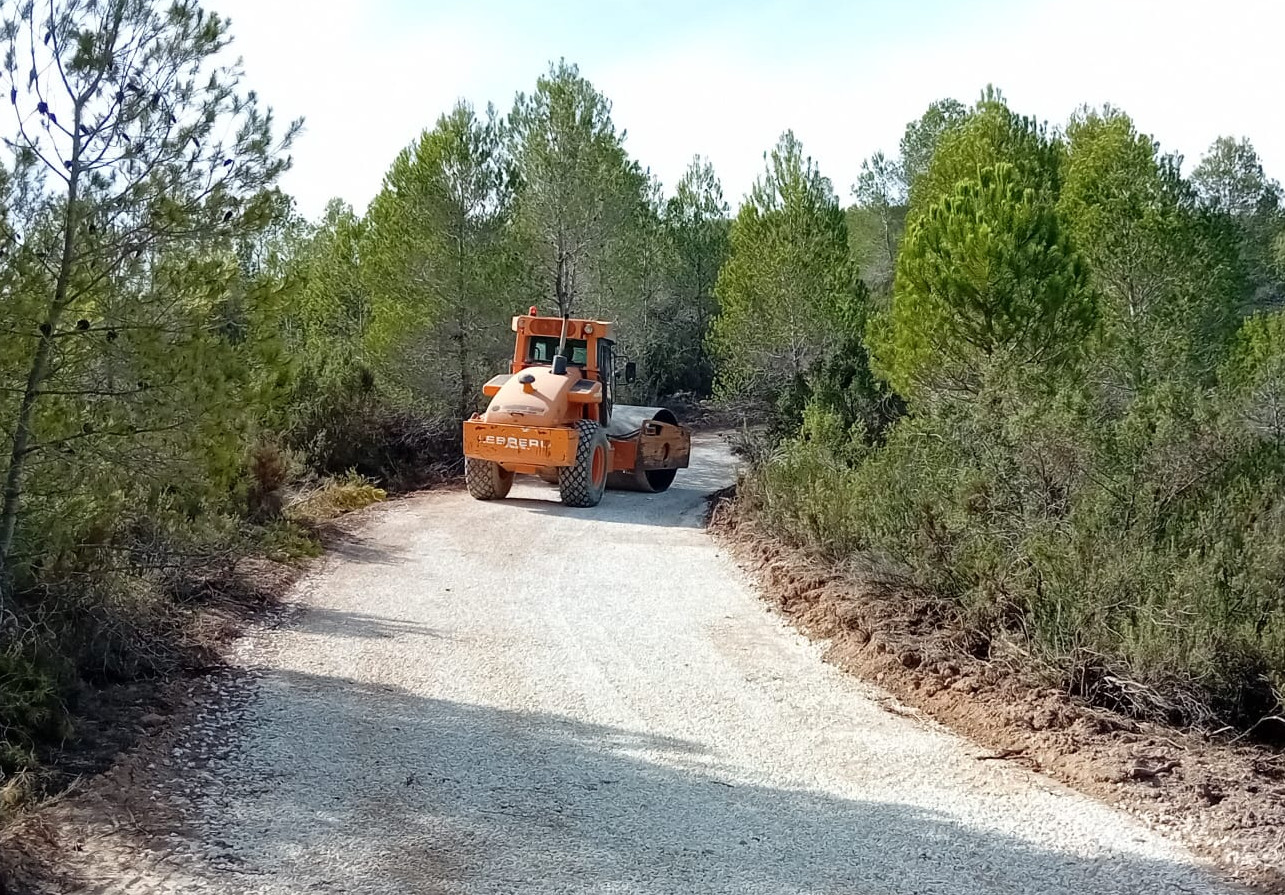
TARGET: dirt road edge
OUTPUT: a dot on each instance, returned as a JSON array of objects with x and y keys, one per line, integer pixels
[{"x": 1223, "y": 800}]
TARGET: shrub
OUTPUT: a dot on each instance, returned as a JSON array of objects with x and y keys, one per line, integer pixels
[
  {"x": 351, "y": 427},
  {"x": 1140, "y": 563},
  {"x": 31, "y": 706}
]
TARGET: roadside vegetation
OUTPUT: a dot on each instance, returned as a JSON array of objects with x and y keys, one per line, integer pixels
[
  {"x": 1037, "y": 372},
  {"x": 1059, "y": 409}
]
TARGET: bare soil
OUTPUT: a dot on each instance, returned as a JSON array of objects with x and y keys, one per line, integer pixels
[{"x": 1224, "y": 798}]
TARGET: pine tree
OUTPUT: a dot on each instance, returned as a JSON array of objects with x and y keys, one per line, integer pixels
[
  {"x": 986, "y": 276},
  {"x": 136, "y": 164},
  {"x": 578, "y": 194},
  {"x": 788, "y": 289},
  {"x": 435, "y": 256}
]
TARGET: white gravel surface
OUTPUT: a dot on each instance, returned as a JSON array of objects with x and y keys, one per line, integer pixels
[{"x": 515, "y": 697}]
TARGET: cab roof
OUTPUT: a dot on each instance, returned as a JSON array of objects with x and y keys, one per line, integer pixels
[{"x": 577, "y": 328}]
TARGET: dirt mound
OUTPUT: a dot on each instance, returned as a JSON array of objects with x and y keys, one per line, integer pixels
[{"x": 1224, "y": 799}]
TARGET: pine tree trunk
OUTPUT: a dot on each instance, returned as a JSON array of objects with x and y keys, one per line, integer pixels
[
  {"x": 39, "y": 371},
  {"x": 466, "y": 381},
  {"x": 887, "y": 236},
  {"x": 461, "y": 310}
]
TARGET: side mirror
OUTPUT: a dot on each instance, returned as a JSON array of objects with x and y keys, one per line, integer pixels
[{"x": 631, "y": 371}]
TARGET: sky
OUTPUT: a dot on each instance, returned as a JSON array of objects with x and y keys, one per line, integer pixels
[{"x": 724, "y": 78}]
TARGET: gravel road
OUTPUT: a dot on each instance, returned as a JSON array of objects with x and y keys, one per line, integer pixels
[{"x": 514, "y": 697}]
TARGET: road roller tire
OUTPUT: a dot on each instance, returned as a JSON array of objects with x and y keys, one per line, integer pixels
[
  {"x": 486, "y": 479},
  {"x": 582, "y": 484}
]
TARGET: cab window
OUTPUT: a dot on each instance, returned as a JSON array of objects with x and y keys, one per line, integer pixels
[{"x": 541, "y": 349}]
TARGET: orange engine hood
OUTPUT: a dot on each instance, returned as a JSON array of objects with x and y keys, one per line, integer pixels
[{"x": 542, "y": 402}]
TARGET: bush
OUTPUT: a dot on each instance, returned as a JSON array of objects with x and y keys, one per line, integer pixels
[
  {"x": 343, "y": 424},
  {"x": 31, "y": 706},
  {"x": 397, "y": 448},
  {"x": 1140, "y": 562},
  {"x": 116, "y": 608},
  {"x": 286, "y": 541}
]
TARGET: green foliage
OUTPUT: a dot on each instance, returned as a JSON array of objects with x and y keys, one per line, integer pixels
[
  {"x": 143, "y": 339},
  {"x": 1231, "y": 182},
  {"x": 693, "y": 235},
  {"x": 1091, "y": 468},
  {"x": 578, "y": 192},
  {"x": 870, "y": 231},
  {"x": 991, "y": 134},
  {"x": 126, "y": 265},
  {"x": 857, "y": 405},
  {"x": 986, "y": 276},
  {"x": 289, "y": 542},
  {"x": 31, "y": 708},
  {"x": 1230, "y": 179},
  {"x": 347, "y": 406},
  {"x": 1168, "y": 286},
  {"x": 326, "y": 329},
  {"x": 330, "y": 316},
  {"x": 1254, "y": 376},
  {"x": 1093, "y": 554},
  {"x": 789, "y": 291},
  {"x": 919, "y": 143},
  {"x": 435, "y": 263},
  {"x": 881, "y": 196}
]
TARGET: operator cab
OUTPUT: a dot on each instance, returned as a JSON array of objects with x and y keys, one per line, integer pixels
[{"x": 589, "y": 349}]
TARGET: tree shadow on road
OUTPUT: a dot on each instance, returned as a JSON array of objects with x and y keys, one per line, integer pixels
[
  {"x": 379, "y": 790},
  {"x": 358, "y": 548},
  {"x": 319, "y": 621}
]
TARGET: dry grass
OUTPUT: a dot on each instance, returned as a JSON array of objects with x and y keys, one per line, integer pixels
[{"x": 331, "y": 498}]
